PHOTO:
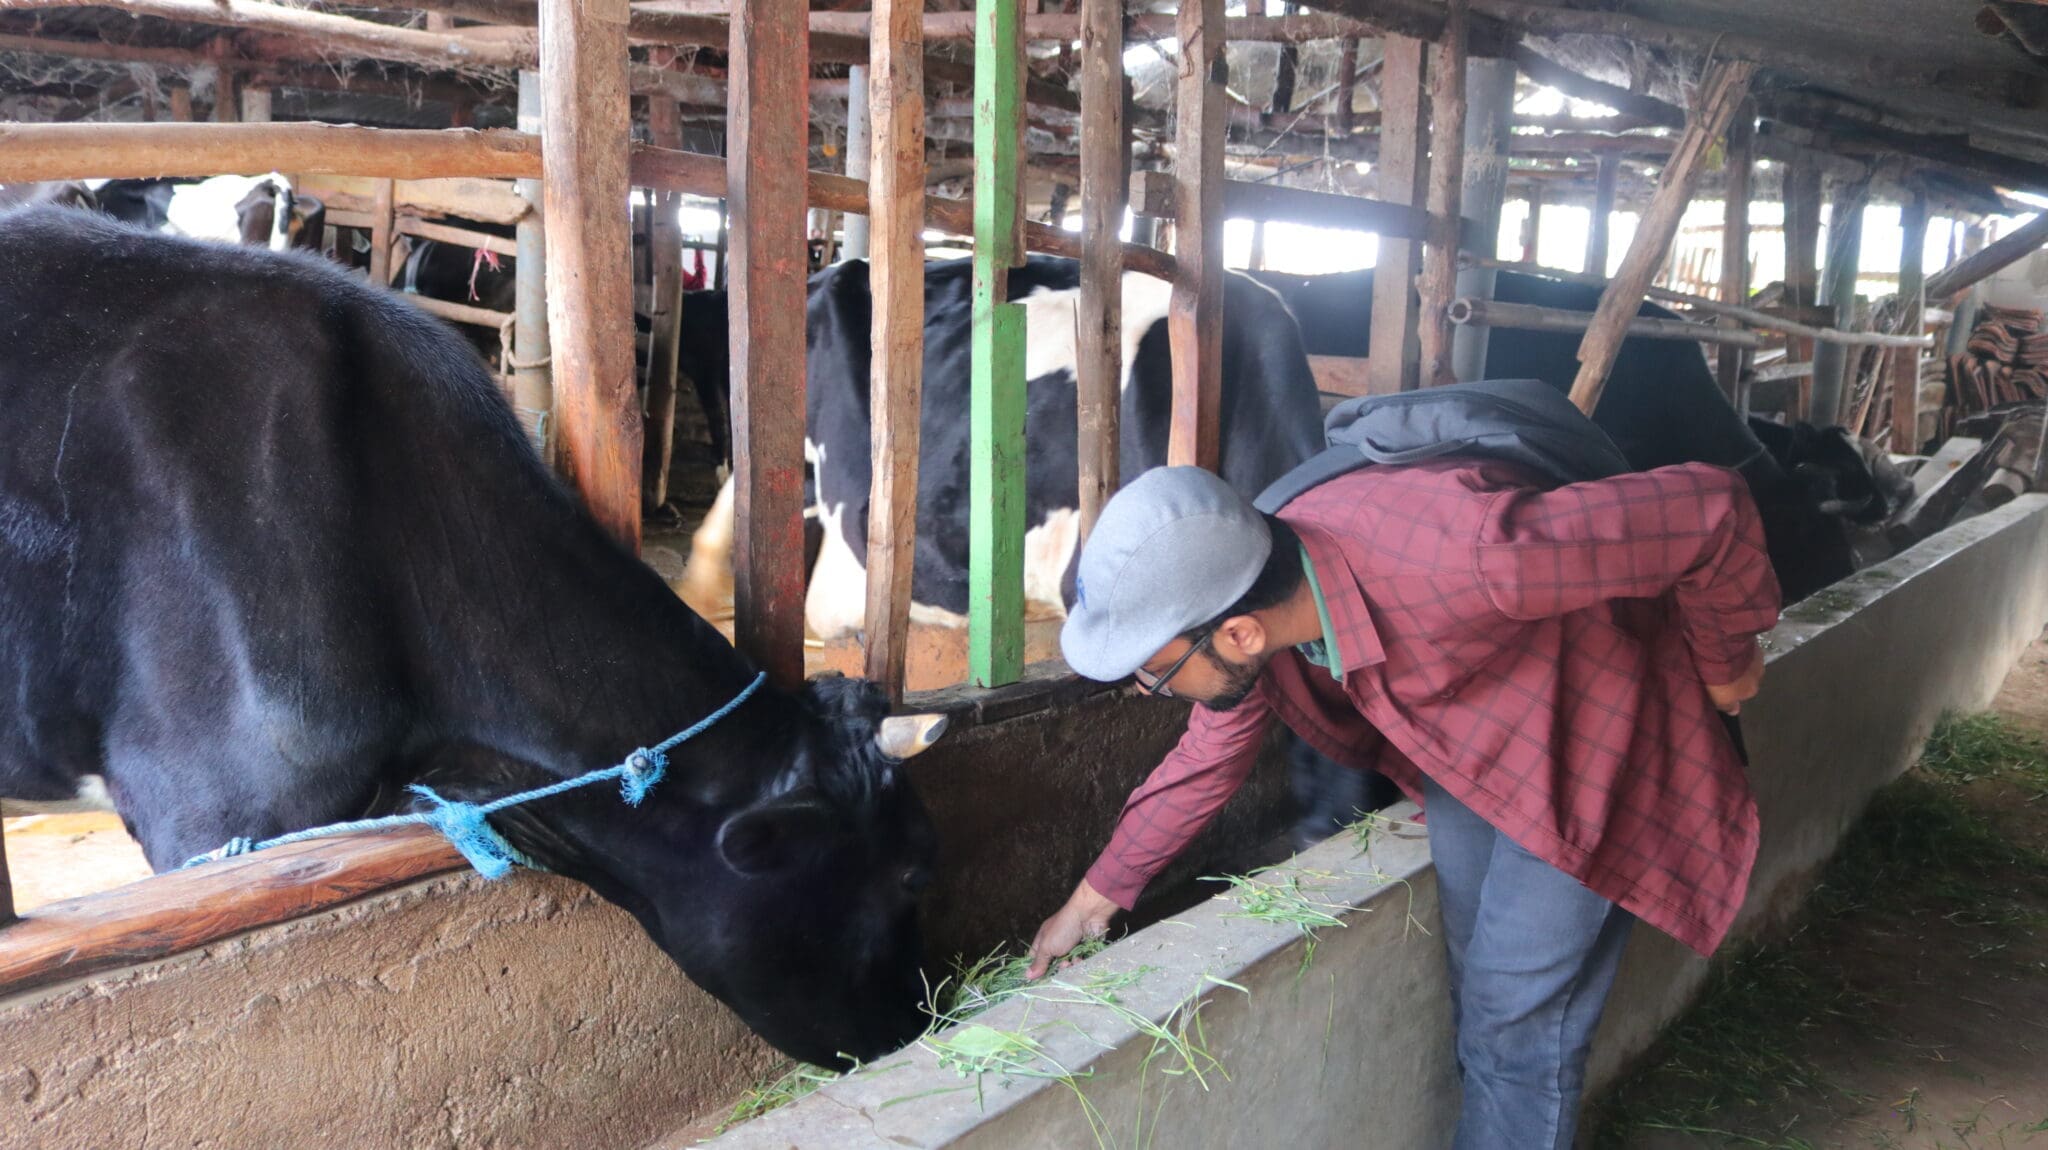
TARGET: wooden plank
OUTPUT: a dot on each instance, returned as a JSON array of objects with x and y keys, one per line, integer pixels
[
  {"x": 1602, "y": 223},
  {"x": 1802, "y": 198},
  {"x": 182, "y": 910},
  {"x": 995, "y": 545},
  {"x": 484, "y": 201},
  {"x": 768, "y": 142},
  {"x": 664, "y": 128},
  {"x": 1403, "y": 178},
  {"x": 32, "y": 152},
  {"x": 442, "y": 233},
  {"x": 181, "y": 108},
  {"x": 1105, "y": 158},
  {"x": 585, "y": 139},
  {"x": 895, "y": 239},
  {"x": 1195, "y": 313},
  {"x": 1721, "y": 91},
  {"x": 1438, "y": 285},
  {"x": 1735, "y": 245},
  {"x": 327, "y": 34},
  {"x": 1341, "y": 374},
  {"x": 1905, "y": 363},
  {"x": 1951, "y": 281},
  {"x": 381, "y": 234}
]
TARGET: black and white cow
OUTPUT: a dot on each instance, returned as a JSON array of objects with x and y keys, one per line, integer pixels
[
  {"x": 1662, "y": 405},
  {"x": 1270, "y": 420},
  {"x": 272, "y": 545}
]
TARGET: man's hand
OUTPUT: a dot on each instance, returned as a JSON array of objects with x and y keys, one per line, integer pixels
[
  {"x": 1728, "y": 697},
  {"x": 1086, "y": 915}
]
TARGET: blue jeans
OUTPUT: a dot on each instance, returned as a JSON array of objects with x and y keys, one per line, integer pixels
[{"x": 1532, "y": 956}]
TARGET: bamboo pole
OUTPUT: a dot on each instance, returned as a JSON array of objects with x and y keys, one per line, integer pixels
[
  {"x": 895, "y": 237},
  {"x": 586, "y": 139},
  {"x": 1955, "y": 278},
  {"x": 1403, "y": 180},
  {"x": 533, "y": 391},
  {"x": 1105, "y": 153},
  {"x": 1195, "y": 314},
  {"x": 1446, "y": 186},
  {"x": 1529, "y": 317},
  {"x": 1721, "y": 91},
  {"x": 768, "y": 143},
  {"x": 1750, "y": 316}
]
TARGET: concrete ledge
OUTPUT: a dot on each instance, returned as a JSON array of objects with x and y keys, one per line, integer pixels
[{"x": 1354, "y": 1048}]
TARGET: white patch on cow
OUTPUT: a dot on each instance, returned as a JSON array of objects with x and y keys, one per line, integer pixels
[
  {"x": 206, "y": 210},
  {"x": 1050, "y": 318},
  {"x": 1048, "y": 548},
  {"x": 92, "y": 792},
  {"x": 836, "y": 603}
]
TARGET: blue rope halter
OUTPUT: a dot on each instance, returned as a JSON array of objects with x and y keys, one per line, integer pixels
[{"x": 467, "y": 826}]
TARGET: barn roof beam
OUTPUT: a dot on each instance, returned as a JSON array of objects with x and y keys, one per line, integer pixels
[{"x": 332, "y": 35}]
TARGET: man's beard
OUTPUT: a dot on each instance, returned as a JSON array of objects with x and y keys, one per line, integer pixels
[{"x": 1239, "y": 681}]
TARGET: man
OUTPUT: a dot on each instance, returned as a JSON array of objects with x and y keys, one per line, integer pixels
[{"x": 1540, "y": 669}]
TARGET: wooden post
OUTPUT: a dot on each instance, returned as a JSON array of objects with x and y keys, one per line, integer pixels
[
  {"x": 1721, "y": 91},
  {"x": 181, "y": 104},
  {"x": 1603, "y": 214},
  {"x": 1403, "y": 175},
  {"x": 664, "y": 130},
  {"x": 586, "y": 139},
  {"x": 1195, "y": 314},
  {"x": 1905, "y": 361},
  {"x": 1802, "y": 198},
  {"x": 1838, "y": 290},
  {"x": 1735, "y": 246},
  {"x": 1438, "y": 285},
  {"x": 1347, "y": 85},
  {"x": 859, "y": 146},
  {"x": 1489, "y": 113},
  {"x": 1105, "y": 156},
  {"x": 768, "y": 145},
  {"x": 382, "y": 234},
  {"x": 255, "y": 105},
  {"x": 995, "y": 544},
  {"x": 227, "y": 97},
  {"x": 1532, "y": 228},
  {"x": 895, "y": 235},
  {"x": 533, "y": 392}
]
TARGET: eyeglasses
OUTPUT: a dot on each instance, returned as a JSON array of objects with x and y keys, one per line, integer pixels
[{"x": 1156, "y": 684}]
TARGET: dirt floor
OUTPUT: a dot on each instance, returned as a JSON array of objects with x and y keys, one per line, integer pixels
[{"x": 1909, "y": 1008}]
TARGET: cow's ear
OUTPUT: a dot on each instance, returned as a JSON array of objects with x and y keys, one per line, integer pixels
[{"x": 774, "y": 835}]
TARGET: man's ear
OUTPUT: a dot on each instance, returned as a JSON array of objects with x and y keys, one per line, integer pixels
[{"x": 1241, "y": 638}]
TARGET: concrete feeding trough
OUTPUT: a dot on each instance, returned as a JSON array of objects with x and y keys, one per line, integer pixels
[
  {"x": 1356, "y": 1042},
  {"x": 447, "y": 1011}
]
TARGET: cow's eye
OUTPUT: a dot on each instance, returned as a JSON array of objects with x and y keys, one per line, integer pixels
[{"x": 916, "y": 879}]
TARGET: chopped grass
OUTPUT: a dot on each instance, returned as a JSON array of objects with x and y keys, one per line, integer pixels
[
  {"x": 1283, "y": 899},
  {"x": 799, "y": 1080},
  {"x": 1739, "y": 1056}
]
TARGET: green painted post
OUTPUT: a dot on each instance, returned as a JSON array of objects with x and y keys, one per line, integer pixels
[{"x": 995, "y": 545}]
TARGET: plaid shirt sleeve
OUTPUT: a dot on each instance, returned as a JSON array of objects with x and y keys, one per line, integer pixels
[
  {"x": 1690, "y": 530},
  {"x": 1184, "y": 792}
]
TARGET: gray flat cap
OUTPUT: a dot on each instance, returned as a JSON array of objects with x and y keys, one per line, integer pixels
[{"x": 1173, "y": 549}]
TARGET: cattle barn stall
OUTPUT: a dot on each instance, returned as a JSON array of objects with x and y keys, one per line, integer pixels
[{"x": 365, "y": 990}]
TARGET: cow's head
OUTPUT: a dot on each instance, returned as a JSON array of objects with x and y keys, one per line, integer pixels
[{"x": 779, "y": 863}]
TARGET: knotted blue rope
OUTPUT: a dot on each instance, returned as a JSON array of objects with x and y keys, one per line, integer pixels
[{"x": 467, "y": 825}]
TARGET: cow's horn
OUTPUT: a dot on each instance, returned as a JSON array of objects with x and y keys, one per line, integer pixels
[{"x": 901, "y": 736}]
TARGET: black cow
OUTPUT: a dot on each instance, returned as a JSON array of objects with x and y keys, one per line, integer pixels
[
  {"x": 272, "y": 544},
  {"x": 1661, "y": 405}
]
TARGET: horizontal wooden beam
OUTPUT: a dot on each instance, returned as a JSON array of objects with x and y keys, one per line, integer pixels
[
  {"x": 339, "y": 35},
  {"x": 461, "y": 237},
  {"x": 182, "y": 910},
  {"x": 1149, "y": 25},
  {"x": 33, "y": 152},
  {"x": 460, "y": 312}
]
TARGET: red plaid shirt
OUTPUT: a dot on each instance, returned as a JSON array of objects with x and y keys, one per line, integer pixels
[{"x": 1539, "y": 654}]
